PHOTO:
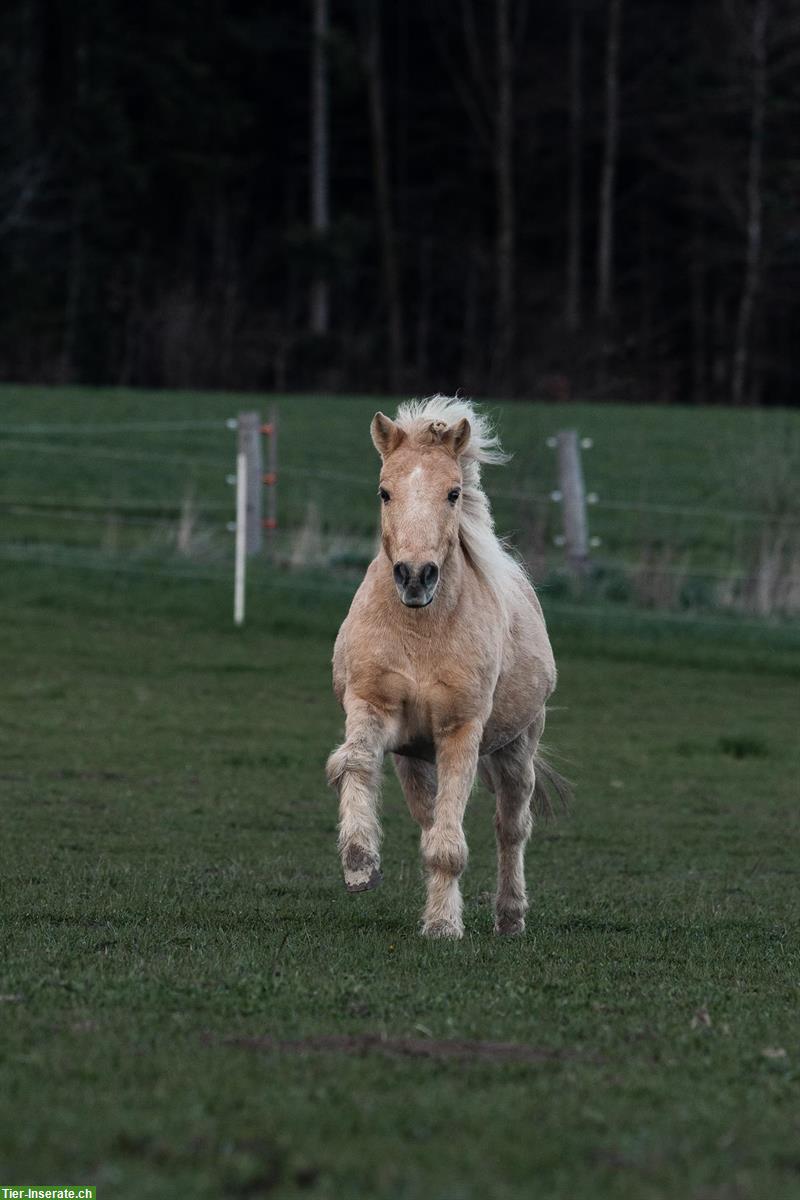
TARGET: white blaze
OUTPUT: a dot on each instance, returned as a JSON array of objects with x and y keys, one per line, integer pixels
[{"x": 416, "y": 507}]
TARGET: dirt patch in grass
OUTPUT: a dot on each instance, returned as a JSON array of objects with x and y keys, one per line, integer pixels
[
  {"x": 89, "y": 776},
  {"x": 359, "y": 1044}
]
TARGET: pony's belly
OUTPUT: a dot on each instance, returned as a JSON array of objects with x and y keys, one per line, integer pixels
[
  {"x": 442, "y": 704},
  {"x": 424, "y": 748},
  {"x": 415, "y": 736},
  {"x": 417, "y": 748}
]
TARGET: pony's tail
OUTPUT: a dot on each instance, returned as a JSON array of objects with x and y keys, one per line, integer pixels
[{"x": 550, "y": 785}]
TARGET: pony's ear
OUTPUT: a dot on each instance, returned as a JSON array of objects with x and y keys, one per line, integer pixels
[
  {"x": 457, "y": 437},
  {"x": 386, "y": 435}
]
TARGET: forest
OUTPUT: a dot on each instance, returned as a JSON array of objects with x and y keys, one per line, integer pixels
[{"x": 594, "y": 199}]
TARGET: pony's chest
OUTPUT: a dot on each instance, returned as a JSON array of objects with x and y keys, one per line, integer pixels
[
  {"x": 429, "y": 693},
  {"x": 424, "y": 682},
  {"x": 416, "y": 688}
]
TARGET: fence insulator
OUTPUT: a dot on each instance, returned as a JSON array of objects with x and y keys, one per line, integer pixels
[
  {"x": 269, "y": 522},
  {"x": 269, "y": 479},
  {"x": 267, "y": 430}
]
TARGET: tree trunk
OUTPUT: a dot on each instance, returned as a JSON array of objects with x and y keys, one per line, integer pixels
[
  {"x": 131, "y": 357},
  {"x": 574, "y": 264},
  {"x": 423, "y": 306},
  {"x": 754, "y": 228},
  {"x": 697, "y": 284},
  {"x": 27, "y": 91},
  {"x": 471, "y": 363},
  {"x": 319, "y": 172},
  {"x": 605, "y": 240},
  {"x": 74, "y": 295},
  {"x": 645, "y": 332},
  {"x": 380, "y": 167},
  {"x": 504, "y": 181},
  {"x": 76, "y": 269},
  {"x": 719, "y": 362}
]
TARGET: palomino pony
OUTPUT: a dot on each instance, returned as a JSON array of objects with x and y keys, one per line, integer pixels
[{"x": 444, "y": 661}]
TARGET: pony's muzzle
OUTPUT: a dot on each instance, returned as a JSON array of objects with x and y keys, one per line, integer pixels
[{"x": 416, "y": 586}]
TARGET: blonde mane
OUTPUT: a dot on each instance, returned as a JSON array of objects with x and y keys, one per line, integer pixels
[{"x": 479, "y": 541}]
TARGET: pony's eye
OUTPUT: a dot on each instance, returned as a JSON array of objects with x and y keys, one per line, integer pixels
[
  {"x": 453, "y": 495},
  {"x": 384, "y": 495}
]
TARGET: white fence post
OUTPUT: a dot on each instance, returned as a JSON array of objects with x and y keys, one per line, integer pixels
[{"x": 241, "y": 538}]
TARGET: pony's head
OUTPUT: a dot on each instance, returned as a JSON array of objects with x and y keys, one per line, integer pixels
[{"x": 421, "y": 497}]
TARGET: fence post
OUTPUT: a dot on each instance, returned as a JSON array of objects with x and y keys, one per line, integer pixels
[
  {"x": 573, "y": 499},
  {"x": 249, "y": 429},
  {"x": 271, "y": 523},
  {"x": 241, "y": 538}
]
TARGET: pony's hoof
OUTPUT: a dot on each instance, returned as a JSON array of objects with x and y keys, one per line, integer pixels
[
  {"x": 361, "y": 871},
  {"x": 442, "y": 929},
  {"x": 356, "y": 883},
  {"x": 509, "y": 926}
]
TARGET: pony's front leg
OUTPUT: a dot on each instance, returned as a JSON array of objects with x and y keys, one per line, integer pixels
[
  {"x": 354, "y": 770},
  {"x": 444, "y": 847}
]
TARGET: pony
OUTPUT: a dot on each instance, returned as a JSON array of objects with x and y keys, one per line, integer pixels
[{"x": 444, "y": 662}]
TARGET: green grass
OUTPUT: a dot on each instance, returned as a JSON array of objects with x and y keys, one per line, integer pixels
[
  {"x": 170, "y": 882},
  {"x": 715, "y": 463}
]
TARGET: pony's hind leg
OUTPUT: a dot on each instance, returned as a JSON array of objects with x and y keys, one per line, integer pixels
[
  {"x": 355, "y": 771},
  {"x": 512, "y": 775},
  {"x": 418, "y": 781}
]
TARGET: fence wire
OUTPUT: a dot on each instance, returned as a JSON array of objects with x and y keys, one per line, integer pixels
[
  {"x": 148, "y": 456},
  {"x": 213, "y": 515},
  {"x": 322, "y": 473},
  {"x": 84, "y": 429}
]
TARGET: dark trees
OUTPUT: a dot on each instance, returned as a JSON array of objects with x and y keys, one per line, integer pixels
[
  {"x": 607, "y": 201},
  {"x": 373, "y": 68},
  {"x": 319, "y": 168},
  {"x": 437, "y": 210},
  {"x": 574, "y": 233}
]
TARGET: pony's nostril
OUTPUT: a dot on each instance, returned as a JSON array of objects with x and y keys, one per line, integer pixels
[
  {"x": 401, "y": 574},
  {"x": 429, "y": 575}
]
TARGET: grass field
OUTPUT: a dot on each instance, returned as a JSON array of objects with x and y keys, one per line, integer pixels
[{"x": 171, "y": 894}]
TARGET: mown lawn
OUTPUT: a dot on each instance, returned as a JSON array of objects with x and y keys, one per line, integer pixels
[{"x": 170, "y": 883}]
